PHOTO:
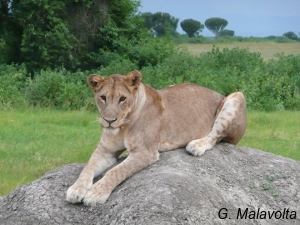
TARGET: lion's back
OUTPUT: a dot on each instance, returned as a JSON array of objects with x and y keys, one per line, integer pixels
[{"x": 189, "y": 109}]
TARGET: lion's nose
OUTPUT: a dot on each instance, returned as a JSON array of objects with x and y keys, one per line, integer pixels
[{"x": 109, "y": 120}]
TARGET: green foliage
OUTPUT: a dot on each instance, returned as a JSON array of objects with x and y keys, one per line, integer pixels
[
  {"x": 136, "y": 54},
  {"x": 147, "y": 19},
  {"x": 51, "y": 48},
  {"x": 10, "y": 33},
  {"x": 161, "y": 23},
  {"x": 144, "y": 51},
  {"x": 45, "y": 89},
  {"x": 291, "y": 35},
  {"x": 122, "y": 12},
  {"x": 64, "y": 34},
  {"x": 216, "y": 25},
  {"x": 179, "y": 39},
  {"x": 229, "y": 33},
  {"x": 285, "y": 71},
  {"x": 46, "y": 40},
  {"x": 3, "y": 52},
  {"x": 55, "y": 89},
  {"x": 268, "y": 85},
  {"x": 11, "y": 86},
  {"x": 174, "y": 69},
  {"x": 120, "y": 66},
  {"x": 150, "y": 51},
  {"x": 236, "y": 58},
  {"x": 191, "y": 27}
]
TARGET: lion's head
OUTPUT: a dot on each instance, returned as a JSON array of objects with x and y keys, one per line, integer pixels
[{"x": 116, "y": 97}]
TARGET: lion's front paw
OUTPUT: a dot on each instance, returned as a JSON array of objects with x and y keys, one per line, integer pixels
[
  {"x": 95, "y": 196},
  {"x": 199, "y": 146},
  {"x": 76, "y": 192}
]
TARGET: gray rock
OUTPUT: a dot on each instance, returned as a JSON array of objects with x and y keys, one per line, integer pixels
[{"x": 178, "y": 189}]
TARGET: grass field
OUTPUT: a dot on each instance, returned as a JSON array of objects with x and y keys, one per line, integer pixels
[
  {"x": 35, "y": 141},
  {"x": 267, "y": 49}
]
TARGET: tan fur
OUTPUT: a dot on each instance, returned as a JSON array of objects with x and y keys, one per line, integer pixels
[{"x": 145, "y": 121}]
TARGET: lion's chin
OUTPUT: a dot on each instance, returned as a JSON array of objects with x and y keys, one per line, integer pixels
[
  {"x": 112, "y": 130},
  {"x": 111, "y": 127},
  {"x": 108, "y": 127}
]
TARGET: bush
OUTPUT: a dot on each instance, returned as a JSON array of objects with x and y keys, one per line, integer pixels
[
  {"x": 55, "y": 89},
  {"x": 53, "y": 34},
  {"x": 175, "y": 69},
  {"x": 236, "y": 58},
  {"x": 121, "y": 66},
  {"x": 150, "y": 51},
  {"x": 45, "y": 89},
  {"x": 229, "y": 33},
  {"x": 142, "y": 52},
  {"x": 179, "y": 39},
  {"x": 286, "y": 72},
  {"x": 271, "y": 85},
  {"x": 3, "y": 51},
  {"x": 12, "y": 82}
]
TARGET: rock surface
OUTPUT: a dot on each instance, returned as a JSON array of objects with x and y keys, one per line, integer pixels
[{"x": 178, "y": 189}]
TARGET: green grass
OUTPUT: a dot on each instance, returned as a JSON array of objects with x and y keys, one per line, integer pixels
[
  {"x": 35, "y": 141},
  {"x": 276, "y": 132}
]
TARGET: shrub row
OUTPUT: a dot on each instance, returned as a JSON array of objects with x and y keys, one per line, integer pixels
[
  {"x": 271, "y": 85},
  {"x": 180, "y": 39}
]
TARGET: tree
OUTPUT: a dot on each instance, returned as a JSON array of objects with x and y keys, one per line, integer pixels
[
  {"x": 10, "y": 33},
  {"x": 228, "y": 33},
  {"x": 191, "y": 27},
  {"x": 148, "y": 19},
  {"x": 63, "y": 33},
  {"x": 160, "y": 23},
  {"x": 216, "y": 25},
  {"x": 291, "y": 35}
]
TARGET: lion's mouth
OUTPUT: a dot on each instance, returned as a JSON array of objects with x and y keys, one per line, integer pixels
[{"x": 110, "y": 127}]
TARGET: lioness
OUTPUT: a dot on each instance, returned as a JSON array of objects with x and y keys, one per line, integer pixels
[{"x": 146, "y": 121}]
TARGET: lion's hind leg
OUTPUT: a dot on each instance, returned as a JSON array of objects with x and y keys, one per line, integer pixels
[{"x": 229, "y": 125}]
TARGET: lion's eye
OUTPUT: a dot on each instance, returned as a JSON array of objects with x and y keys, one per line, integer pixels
[
  {"x": 122, "y": 99},
  {"x": 103, "y": 97}
]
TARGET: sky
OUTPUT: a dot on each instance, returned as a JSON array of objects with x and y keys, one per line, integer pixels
[{"x": 258, "y": 18}]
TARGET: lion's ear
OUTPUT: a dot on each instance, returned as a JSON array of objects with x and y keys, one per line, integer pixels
[
  {"x": 95, "y": 81},
  {"x": 134, "y": 78}
]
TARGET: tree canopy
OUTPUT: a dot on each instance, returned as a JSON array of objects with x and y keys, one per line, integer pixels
[
  {"x": 216, "y": 25},
  {"x": 160, "y": 23},
  {"x": 228, "y": 33},
  {"x": 65, "y": 34},
  {"x": 290, "y": 35},
  {"x": 191, "y": 27}
]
